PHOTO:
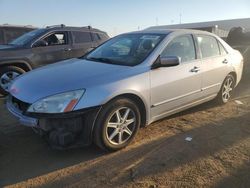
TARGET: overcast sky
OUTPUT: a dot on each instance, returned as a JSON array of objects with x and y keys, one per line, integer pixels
[{"x": 118, "y": 16}]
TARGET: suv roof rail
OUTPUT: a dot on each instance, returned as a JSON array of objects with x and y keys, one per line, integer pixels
[
  {"x": 51, "y": 26},
  {"x": 88, "y": 27}
]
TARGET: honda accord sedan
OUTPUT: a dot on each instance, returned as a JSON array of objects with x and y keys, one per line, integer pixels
[{"x": 128, "y": 82}]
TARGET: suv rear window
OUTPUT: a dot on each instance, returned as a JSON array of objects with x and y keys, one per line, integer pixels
[
  {"x": 96, "y": 37},
  {"x": 81, "y": 37},
  {"x": 103, "y": 36}
]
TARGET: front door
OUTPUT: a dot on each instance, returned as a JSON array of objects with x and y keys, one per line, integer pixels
[
  {"x": 175, "y": 87},
  {"x": 57, "y": 48}
]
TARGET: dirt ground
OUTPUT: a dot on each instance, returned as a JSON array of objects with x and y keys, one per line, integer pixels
[{"x": 217, "y": 156}]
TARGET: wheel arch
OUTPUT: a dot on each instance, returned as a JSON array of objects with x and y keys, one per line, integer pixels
[
  {"x": 138, "y": 101},
  {"x": 17, "y": 63},
  {"x": 233, "y": 73}
]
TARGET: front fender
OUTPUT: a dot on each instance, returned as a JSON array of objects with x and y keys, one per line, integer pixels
[{"x": 138, "y": 85}]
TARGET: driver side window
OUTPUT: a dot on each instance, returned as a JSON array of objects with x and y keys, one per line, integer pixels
[
  {"x": 59, "y": 38},
  {"x": 182, "y": 47}
]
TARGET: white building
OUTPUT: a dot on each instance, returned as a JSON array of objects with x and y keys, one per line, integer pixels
[{"x": 220, "y": 28}]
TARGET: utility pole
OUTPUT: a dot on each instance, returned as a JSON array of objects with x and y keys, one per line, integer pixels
[
  {"x": 156, "y": 21},
  {"x": 180, "y": 17}
]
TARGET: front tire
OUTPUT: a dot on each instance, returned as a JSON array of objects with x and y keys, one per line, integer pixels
[
  {"x": 226, "y": 90},
  {"x": 117, "y": 124},
  {"x": 7, "y": 75}
]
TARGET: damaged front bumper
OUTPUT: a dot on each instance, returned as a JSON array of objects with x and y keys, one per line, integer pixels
[
  {"x": 64, "y": 130},
  {"x": 24, "y": 120}
]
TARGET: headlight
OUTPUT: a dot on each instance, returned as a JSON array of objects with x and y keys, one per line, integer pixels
[{"x": 63, "y": 102}]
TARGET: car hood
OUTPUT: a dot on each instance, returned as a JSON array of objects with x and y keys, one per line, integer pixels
[
  {"x": 65, "y": 76},
  {"x": 7, "y": 47}
]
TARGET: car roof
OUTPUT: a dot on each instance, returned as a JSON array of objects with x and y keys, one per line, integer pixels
[
  {"x": 69, "y": 28},
  {"x": 168, "y": 31}
]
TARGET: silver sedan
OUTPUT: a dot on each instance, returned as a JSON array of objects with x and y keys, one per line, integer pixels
[{"x": 130, "y": 81}]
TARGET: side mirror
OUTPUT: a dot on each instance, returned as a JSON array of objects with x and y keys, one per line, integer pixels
[
  {"x": 168, "y": 61},
  {"x": 40, "y": 43}
]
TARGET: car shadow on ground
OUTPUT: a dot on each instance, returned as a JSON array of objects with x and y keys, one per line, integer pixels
[
  {"x": 240, "y": 177},
  {"x": 159, "y": 156}
]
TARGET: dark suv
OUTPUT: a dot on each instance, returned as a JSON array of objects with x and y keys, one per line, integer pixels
[
  {"x": 44, "y": 46},
  {"x": 10, "y": 32}
]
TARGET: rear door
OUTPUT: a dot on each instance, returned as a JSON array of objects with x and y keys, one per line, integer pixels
[
  {"x": 58, "y": 48},
  {"x": 214, "y": 63},
  {"x": 175, "y": 87},
  {"x": 82, "y": 43}
]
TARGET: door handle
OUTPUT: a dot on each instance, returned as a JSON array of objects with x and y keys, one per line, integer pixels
[
  {"x": 225, "y": 61},
  {"x": 195, "y": 69},
  {"x": 67, "y": 49}
]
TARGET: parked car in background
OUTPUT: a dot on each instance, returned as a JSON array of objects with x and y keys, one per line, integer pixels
[
  {"x": 239, "y": 39},
  {"x": 130, "y": 81},
  {"x": 45, "y": 46},
  {"x": 11, "y": 32}
]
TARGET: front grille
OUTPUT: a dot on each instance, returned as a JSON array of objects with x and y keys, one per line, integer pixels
[{"x": 22, "y": 106}]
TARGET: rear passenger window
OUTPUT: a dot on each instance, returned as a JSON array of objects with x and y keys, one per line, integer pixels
[
  {"x": 222, "y": 49},
  {"x": 81, "y": 37},
  {"x": 182, "y": 47},
  {"x": 208, "y": 46}
]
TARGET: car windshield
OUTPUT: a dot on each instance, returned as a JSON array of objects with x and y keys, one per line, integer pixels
[
  {"x": 127, "y": 50},
  {"x": 27, "y": 37}
]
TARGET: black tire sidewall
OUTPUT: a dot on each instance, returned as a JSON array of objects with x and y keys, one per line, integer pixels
[
  {"x": 100, "y": 136},
  {"x": 8, "y": 69}
]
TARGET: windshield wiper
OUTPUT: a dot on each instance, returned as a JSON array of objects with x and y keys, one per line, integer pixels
[{"x": 101, "y": 59}]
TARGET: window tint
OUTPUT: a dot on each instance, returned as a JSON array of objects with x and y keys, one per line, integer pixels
[
  {"x": 208, "y": 46},
  {"x": 103, "y": 36},
  {"x": 222, "y": 49},
  {"x": 56, "y": 39},
  {"x": 182, "y": 47},
  {"x": 96, "y": 37},
  {"x": 81, "y": 37}
]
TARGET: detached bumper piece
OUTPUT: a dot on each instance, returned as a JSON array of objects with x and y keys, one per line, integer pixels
[
  {"x": 14, "y": 108},
  {"x": 61, "y": 131}
]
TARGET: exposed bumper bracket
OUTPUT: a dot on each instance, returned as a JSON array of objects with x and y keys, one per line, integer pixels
[{"x": 24, "y": 120}]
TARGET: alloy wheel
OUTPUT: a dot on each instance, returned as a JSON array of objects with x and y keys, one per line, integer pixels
[
  {"x": 227, "y": 89},
  {"x": 7, "y": 78},
  {"x": 121, "y": 125}
]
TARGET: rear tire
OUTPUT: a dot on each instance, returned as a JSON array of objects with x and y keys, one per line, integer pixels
[
  {"x": 226, "y": 90},
  {"x": 117, "y": 124},
  {"x": 7, "y": 75}
]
